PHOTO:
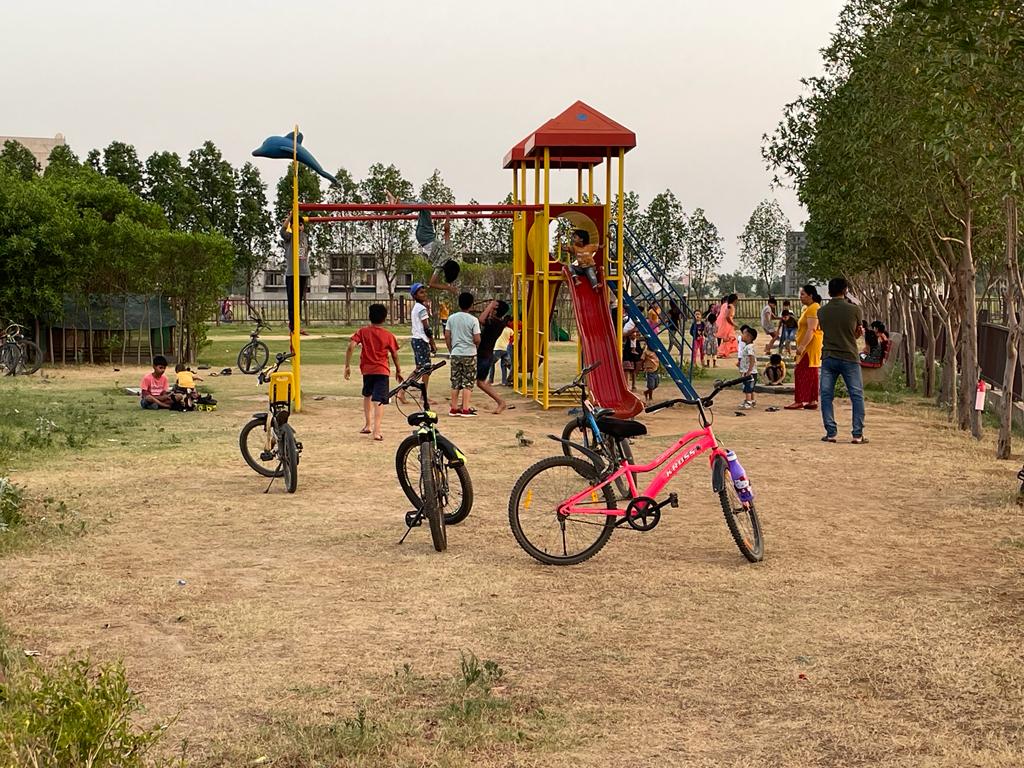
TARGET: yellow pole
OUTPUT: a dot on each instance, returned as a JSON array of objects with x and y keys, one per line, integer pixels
[
  {"x": 297, "y": 360},
  {"x": 619, "y": 244},
  {"x": 590, "y": 185},
  {"x": 547, "y": 275}
]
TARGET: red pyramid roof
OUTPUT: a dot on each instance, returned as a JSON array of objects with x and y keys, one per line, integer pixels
[
  {"x": 518, "y": 153},
  {"x": 580, "y": 130}
]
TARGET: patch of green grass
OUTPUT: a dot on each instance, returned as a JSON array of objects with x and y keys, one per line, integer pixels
[
  {"x": 73, "y": 714},
  {"x": 415, "y": 720},
  {"x": 25, "y": 520},
  {"x": 37, "y": 422}
]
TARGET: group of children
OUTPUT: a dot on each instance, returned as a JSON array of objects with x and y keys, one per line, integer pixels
[{"x": 155, "y": 393}]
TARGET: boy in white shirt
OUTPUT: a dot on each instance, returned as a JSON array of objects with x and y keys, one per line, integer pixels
[
  {"x": 422, "y": 335},
  {"x": 747, "y": 363}
]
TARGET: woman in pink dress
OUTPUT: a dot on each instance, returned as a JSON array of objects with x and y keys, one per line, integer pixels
[{"x": 726, "y": 327}]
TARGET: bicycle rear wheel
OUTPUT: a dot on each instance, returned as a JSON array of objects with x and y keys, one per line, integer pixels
[
  {"x": 742, "y": 520},
  {"x": 252, "y": 440},
  {"x": 455, "y": 493},
  {"x": 253, "y": 356},
  {"x": 289, "y": 459},
  {"x": 31, "y": 357},
  {"x": 548, "y": 536},
  {"x": 428, "y": 493},
  {"x": 8, "y": 357},
  {"x": 614, "y": 451}
]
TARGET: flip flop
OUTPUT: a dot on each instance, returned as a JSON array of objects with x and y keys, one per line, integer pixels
[
  {"x": 379, "y": 438},
  {"x": 772, "y": 409},
  {"x": 828, "y": 439},
  {"x": 364, "y": 431}
]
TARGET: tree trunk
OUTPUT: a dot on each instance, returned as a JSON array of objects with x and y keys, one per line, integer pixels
[
  {"x": 1010, "y": 296},
  {"x": 89, "y": 313},
  {"x": 928, "y": 327},
  {"x": 969, "y": 418}
]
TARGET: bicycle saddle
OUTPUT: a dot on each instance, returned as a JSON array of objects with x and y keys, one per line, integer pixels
[
  {"x": 600, "y": 413},
  {"x": 423, "y": 417},
  {"x": 621, "y": 428}
]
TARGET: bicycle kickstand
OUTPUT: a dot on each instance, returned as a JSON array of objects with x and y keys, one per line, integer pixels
[
  {"x": 274, "y": 477},
  {"x": 413, "y": 519}
]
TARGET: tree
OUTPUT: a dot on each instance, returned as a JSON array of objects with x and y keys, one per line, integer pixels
[
  {"x": 167, "y": 185},
  {"x": 17, "y": 157},
  {"x": 94, "y": 160},
  {"x": 763, "y": 242},
  {"x": 389, "y": 241},
  {"x": 663, "y": 229},
  {"x": 346, "y": 239},
  {"x": 630, "y": 209},
  {"x": 62, "y": 160},
  {"x": 121, "y": 162},
  {"x": 435, "y": 190},
  {"x": 704, "y": 252},
  {"x": 212, "y": 179},
  {"x": 734, "y": 282},
  {"x": 254, "y": 228}
]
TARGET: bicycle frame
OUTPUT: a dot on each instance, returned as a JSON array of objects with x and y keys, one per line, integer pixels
[{"x": 705, "y": 443}]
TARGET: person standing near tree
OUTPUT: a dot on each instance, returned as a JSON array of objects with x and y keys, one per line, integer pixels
[
  {"x": 808, "y": 352},
  {"x": 289, "y": 277},
  {"x": 841, "y": 326}
]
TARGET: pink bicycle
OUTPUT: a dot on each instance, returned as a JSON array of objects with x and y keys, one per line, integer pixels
[{"x": 563, "y": 509}]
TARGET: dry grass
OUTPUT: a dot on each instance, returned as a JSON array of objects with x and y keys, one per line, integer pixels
[{"x": 883, "y": 627}]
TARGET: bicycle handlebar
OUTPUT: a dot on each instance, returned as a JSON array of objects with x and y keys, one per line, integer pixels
[
  {"x": 706, "y": 400},
  {"x": 264, "y": 375},
  {"x": 418, "y": 374},
  {"x": 578, "y": 381}
]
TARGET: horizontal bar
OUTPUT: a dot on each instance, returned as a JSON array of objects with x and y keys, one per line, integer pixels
[
  {"x": 404, "y": 217},
  {"x": 384, "y": 207}
]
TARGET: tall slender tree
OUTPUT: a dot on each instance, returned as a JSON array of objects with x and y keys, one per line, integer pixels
[{"x": 763, "y": 242}]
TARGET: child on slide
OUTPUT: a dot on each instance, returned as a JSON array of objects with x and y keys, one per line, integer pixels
[
  {"x": 583, "y": 264},
  {"x": 433, "y": 249}
]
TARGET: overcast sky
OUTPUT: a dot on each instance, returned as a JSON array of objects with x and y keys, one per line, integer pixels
[{"x": 451, "y": 85}]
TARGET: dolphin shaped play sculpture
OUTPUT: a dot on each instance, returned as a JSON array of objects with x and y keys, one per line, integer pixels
[{"x": 280, "y": 148}]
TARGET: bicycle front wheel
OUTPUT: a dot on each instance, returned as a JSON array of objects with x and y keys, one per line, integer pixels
[
  {"x": 31, "y": 357},
  {"x": 455, "y": 491},
  {"x": 252, "y": 440},
  {"x": 253, "y": 356},
  {"x": 544, "y": 533},
  {"x": 289, "y": 459},
  {"x": 742, "y": 520},
  {"x": 428, "y": 492}
]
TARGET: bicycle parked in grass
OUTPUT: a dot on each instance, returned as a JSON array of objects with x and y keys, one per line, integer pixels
[
  {"x": 268, "y": 441},
  {"x": 563, "y": 511},
  {"x": 253, "y": 357},
  {"x": 18, "y": 356},
  {"x": 426, "y": 462}
]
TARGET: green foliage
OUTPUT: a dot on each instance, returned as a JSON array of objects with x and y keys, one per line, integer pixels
[
  {"x": 663, "y": 228},
  {"x": 416, "y": 720},
  {"x": 763, "y": 241},
  {"x": 18, "y": 159},
  {"x": 73, "y": 715},
  {"x": 120, "y": 162},
  {"x": 254, "y": 229},
  {"x": 62, "y": 160},
  {"x": 167, "y": 186},
  {"x": 734, "y": 282},
  {"x": 704, "y": 251},
  {"x": 11, "y": 500}
]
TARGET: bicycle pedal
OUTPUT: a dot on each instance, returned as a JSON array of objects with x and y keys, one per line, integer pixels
[
  {"x": 413, "y": 519},
  {"x": 673, "y": 500},
  {"x": 298, "y": 447}
]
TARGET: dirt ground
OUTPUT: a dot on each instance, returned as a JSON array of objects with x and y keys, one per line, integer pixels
[{"x": 883, "y": 627}]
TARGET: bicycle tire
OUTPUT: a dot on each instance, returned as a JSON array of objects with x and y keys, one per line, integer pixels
[
  {"x": 289, "y": 459},
  {"x": 613, "y": 451},
  {"x": 410, "y": 447},
  {"x": 431, "y": 509},
  {"x": 7, "y": 352},
  {"x": 253, "y": 357},
  {"x": 745, "y": 532},
  {"x": 253, "y": 461},
  {"x": 31, "y": 357},
  {"x": 588, "y": 473}
]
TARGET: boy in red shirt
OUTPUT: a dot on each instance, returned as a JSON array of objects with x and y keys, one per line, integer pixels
[
  {"x": 155, "y": 392},
  {"x": 376, "y": 342}
]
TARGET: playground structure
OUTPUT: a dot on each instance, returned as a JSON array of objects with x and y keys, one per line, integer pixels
[{"x": 580, "y": 139}]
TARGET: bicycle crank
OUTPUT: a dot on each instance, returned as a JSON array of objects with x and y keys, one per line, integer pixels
[{"x": 644, "y": 513}]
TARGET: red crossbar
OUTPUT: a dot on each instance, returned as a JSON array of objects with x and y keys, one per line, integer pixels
[
  {"x": 404, "y": 217},
  {"x": 384, "y": 207}
]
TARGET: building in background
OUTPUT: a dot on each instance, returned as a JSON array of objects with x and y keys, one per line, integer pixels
[
  {"x": 38, "y": 146},
  {"x": 796, "y": 244},
  {"x": 357, "y": 274}
]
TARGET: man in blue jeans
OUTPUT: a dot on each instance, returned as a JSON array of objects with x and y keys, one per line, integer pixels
[{"x": 840, "y": 322}]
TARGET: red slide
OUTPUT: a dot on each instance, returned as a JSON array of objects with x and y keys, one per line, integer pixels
[{"x": 607, "y": 382}]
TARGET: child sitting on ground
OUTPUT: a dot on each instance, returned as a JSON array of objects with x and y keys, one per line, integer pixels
[
  {"x": 153, "y": 394},
  {"x": 775, "y": 371},
  {"x": 376, "y": 342},
  {"x": 649, "y": 365},
  {"x": 583, "y": 264},
  {"x": 747, "y": 363},
  {"x": 184, "y": 393}
]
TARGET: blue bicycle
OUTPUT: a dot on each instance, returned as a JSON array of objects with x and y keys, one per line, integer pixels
[{"x": 584, "y": 433}]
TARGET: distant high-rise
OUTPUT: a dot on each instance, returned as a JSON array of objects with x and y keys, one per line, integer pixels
[
  {"x": 38, "y": 146},
  {"x": 796, "y": 243}
]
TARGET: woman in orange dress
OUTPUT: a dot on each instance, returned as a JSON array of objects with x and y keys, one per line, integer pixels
[
  {"x": 725, "y": 328},
  {"x": 808, "y": 352}
]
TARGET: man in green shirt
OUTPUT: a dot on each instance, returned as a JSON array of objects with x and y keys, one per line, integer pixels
[{"x": 840, "y": 322}]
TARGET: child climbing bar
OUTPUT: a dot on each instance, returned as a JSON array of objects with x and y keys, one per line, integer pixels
[{"x": 433, "y": 249}]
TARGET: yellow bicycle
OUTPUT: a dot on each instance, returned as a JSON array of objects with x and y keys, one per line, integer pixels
[{"x": 268, "y": 441}]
